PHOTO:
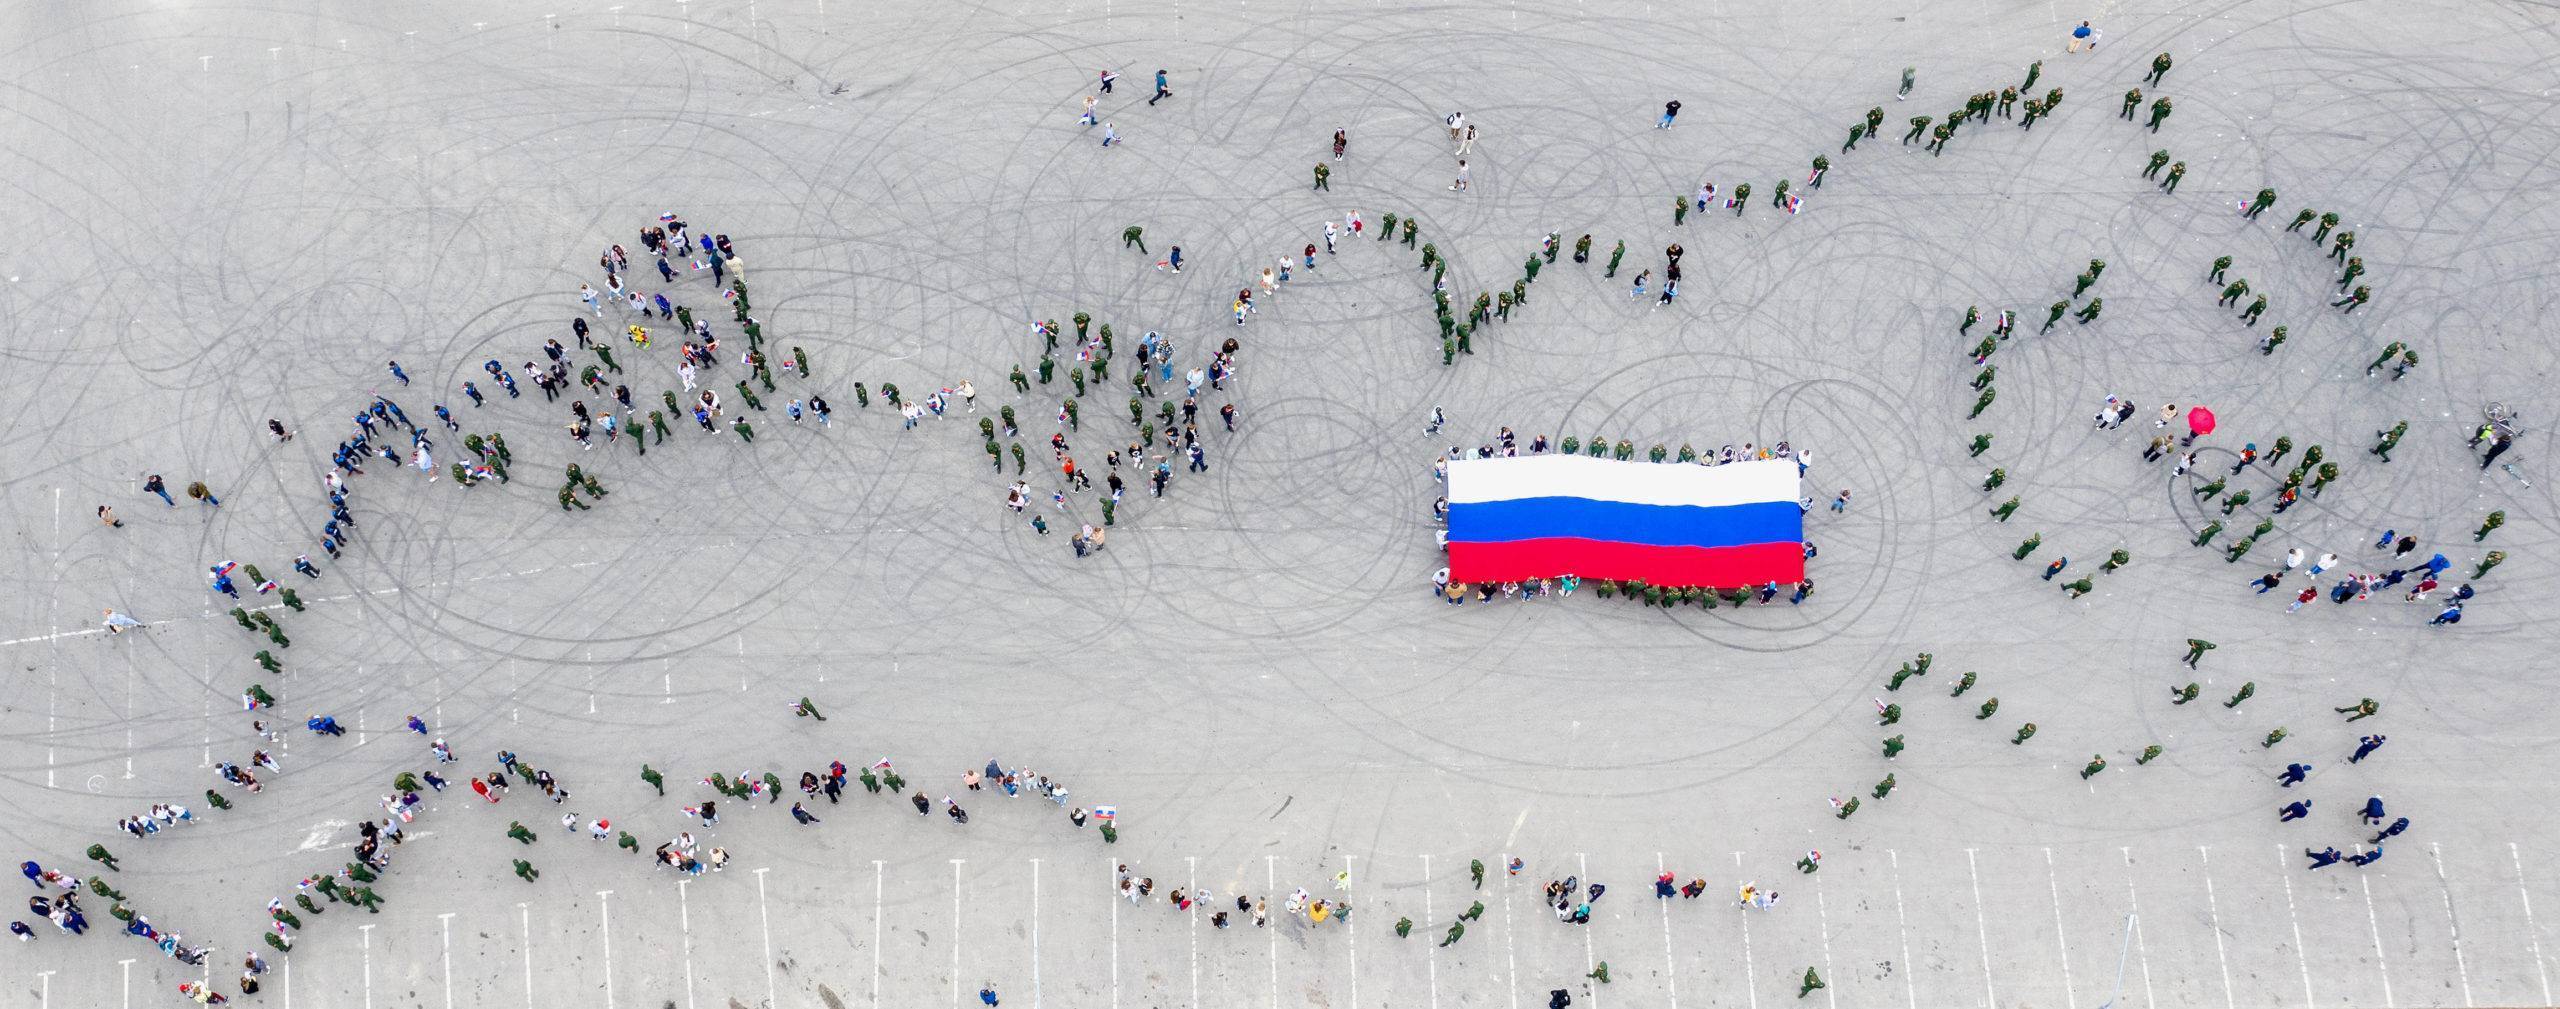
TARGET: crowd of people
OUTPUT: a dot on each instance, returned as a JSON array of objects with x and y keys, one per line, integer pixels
[{"x": 683, "y": 260}]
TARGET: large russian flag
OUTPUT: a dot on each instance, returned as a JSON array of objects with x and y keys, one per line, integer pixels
[{"x": 1541, "y": 516}]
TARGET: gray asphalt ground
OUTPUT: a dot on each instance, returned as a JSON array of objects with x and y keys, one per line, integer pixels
[{"x": 230, "y": 213}]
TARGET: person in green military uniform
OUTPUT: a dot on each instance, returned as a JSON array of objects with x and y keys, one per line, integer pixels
[
  {"x": 2079, "y": 588},
  {"x": 2247, "y": 690},
  {"x": 2185, "y": 693},
  {"x": 1848, "y": 809},
  {"x": 1882, "y": 789},
  {"x": 1322, "y": 173},
  {"x": 2089, "y": 313},
  {"x": 2327, "y": 471},
  {"x": 526, "y": 872},
  {"x": 2160, "y": 113},
  {"x": 1972, "y": 314},
  {"x": 2025, "y": 732},
  {"x": 1410, "y": 226},
  {"x": 2489, "y": 525},
  {"x": 1938, "y": 136},
  {"x": 1134, "y": 235},
  {"x": 2177, "y": 171},
  {"x": 1741, "y": 198},
  {"x": 2389, "y": 440},
  {"x": 1892, "y": 713},
  {"x": 517, "y": 832},
  {"x": 1893, "y": 747},
  {"x": 1985, "y": 376},
  {"x": 267, "y": 661},
  {"x": 1615, "y": 255},
  {"x": 2364, "y": 708},
  {"x": 2259, "y": 204},
  {"x": 1811, "y": 981},
  {"x": 2132, "y": 101},
  {"x": 2274, "y": 339},
  {"x": 2256, "y": 308},
  {"x": 2355, "y": 268},
  {"x": 2354, "y": 299},
  {"x": 2274, "y": 736},
  {"x": 2054, "y": 314},
  {"x": 1857, "y": 131},
  {"x": 2149, "y": 754},
  {"x": 1457, "y": 929},
  {"x": 1983, "y": 402},
  {"x": 1981, "y": 443},
  {"x": 2196, "y": 647},
  {"x": 2097, "y": 763},
  {"x": 1997, "y": 477},
  {"x": 1919, "y": 126},
  {"x": 2489, "y": 560},
  {"x": 1404, "y": 928},
  {"x": 2345, "y": 240},
  {"x": 2220, "y": 264}
]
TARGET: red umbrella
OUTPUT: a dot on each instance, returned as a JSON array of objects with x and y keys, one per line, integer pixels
[{"x": 2199, "y": 422}]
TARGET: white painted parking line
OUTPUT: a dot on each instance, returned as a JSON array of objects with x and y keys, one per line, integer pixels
[
  {"x": 1830, "y": 993},
  {"x": 604, "y": 925},
  {"x": 684, "y": 922},
  {"x": 1902, "y": 927},
  {"x": 1510, "y": 950},
  {"x": 2133, "y": 909},
  {"x": 2374, "y": 923},
  {"x": 524, "y": 922},
  {"x": 1671, "y": 964},
  {"x": 1431, "y": 962},
  {"x": 764, "y": 925},
  {"x": 2532, "y": 931},
  {"x": 2213, "y": 921},
  {"x": 2284, "y": 863},
  {"x": 1981, "y": 930},
  {"x": 444, "y": 928},
  {"x": 2053, "y": 887},
  {"x": 1035, "y": 934},
  {"x": 879, "y": 889},
  {"x": 1750, "y": 970},
  {"x": 2461, "y": 966}
]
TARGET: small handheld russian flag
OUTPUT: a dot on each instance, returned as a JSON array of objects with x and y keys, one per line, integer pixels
[
  {"x": 1795, "y": 204},
  {"x": 1106, "y": 812},
  {"x": 667, "y": 218}
]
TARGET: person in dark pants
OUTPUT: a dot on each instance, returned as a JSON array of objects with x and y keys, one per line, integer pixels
[
  {"x": 2496, "y": 449},
  {"x": 2324, "y": 857},
  {"x": 2293, "y": 773},
  {"x": 2366, "y": 746},
  {"x": 2294, "y": 811},
  {"x": 1162, "y": 91}
]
